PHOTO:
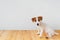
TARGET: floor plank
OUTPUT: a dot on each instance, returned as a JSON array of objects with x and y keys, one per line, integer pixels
[
  {"x": 19, "y": 35},
  {"x": 24, "y": 35}
]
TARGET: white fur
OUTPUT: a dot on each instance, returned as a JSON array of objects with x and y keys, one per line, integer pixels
[{"x": 43, "y": 27}]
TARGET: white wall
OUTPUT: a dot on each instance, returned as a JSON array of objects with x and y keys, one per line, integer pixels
[{"x": 17, "y": 14}]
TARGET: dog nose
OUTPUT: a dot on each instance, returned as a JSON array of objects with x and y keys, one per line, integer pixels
[{"x": 37, "y": 24}]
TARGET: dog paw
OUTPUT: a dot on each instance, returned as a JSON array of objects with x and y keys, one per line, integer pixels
[
  {"x": 38, "y": 33},
  {"x": 40, "y": 36},
  {"x": 56, "y": 33}
]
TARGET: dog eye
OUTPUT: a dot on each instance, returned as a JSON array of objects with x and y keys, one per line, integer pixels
[
  {"x": 35, "y": 20},
  {"x": 38, "y": 20}
]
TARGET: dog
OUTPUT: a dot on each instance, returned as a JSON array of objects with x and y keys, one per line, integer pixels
[{"x": 42, "y": 27}]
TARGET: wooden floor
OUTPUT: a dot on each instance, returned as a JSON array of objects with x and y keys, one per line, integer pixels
[{"x": 24, "y": 35}]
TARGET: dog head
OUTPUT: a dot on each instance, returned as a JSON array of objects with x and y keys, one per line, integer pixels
[{"x": 37, "y": 20}]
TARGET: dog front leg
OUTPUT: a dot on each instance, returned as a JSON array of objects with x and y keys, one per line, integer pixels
[
  {"x": 41, "y": 33},
  {"x": 38, "y": 30}
]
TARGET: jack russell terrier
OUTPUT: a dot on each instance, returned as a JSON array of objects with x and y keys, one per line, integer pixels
[{"x": 42, "y": 27}]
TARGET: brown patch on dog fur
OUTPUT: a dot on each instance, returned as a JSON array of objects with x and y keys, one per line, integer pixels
[
  {"x": 46, "y": 37},
  {"x": 34, "y": 19},
  {"x": 39, "y": 18}
]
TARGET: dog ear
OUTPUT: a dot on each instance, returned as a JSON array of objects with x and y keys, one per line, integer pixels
[
  {"x": 34, "y": 19},
  {"x": 39, "y": 18}
]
